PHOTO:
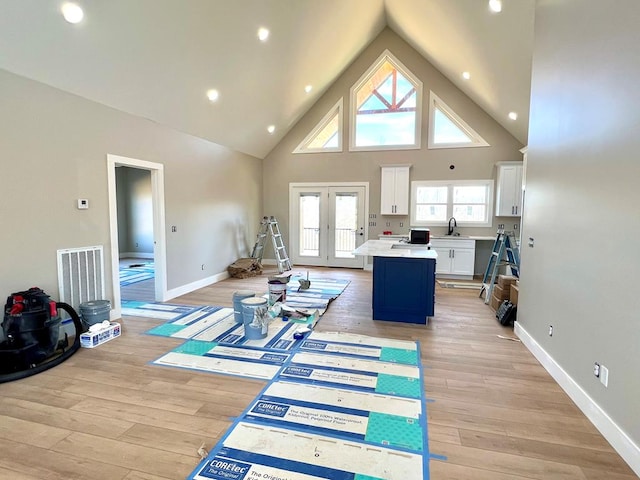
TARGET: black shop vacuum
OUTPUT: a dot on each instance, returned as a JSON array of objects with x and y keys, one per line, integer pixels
[{"x": 31, "y": 340}]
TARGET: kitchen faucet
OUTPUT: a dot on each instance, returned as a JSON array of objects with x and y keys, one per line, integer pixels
[{"x": 451, "y": 227}]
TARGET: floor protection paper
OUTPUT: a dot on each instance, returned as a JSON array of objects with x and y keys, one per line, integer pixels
[
  {"x": 354, "y": 373},
  {"x": 351, "y": 415},
  {"x": 227, "y": 360},
  {"x": 331, "y": 413},
  {"x": 217, "y": 324}
]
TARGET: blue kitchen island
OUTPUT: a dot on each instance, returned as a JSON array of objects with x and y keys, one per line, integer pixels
[{"x": 404, "y": 278}]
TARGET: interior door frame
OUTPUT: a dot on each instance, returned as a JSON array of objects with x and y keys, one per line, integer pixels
[
  {"x": 159, "y": 236},
  {"x": 325, "y": 185}
]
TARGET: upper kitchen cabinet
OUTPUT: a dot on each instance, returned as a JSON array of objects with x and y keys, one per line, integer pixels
[
  {"x": 509, "y": 191},
  {"x": 394, "y": 190}
]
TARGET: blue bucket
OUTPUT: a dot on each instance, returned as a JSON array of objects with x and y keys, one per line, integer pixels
[{"x": 237, "y": 303}]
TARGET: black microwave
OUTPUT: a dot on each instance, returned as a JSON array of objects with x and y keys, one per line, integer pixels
[{"x": 419, "y": 236}]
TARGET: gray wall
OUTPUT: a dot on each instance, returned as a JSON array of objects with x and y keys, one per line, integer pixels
[
  {"x": 53, "y": 151},
  {"x": 135, "y": 212},
  {"x": 582, "y": 198},
  {"x": 282, "y": 167}
]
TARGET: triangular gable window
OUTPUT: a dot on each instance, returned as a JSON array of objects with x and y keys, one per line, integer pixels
[
  {"x": 327, "y": 134},
  {"x": 385, "y": 107},
  {"x": 448, "y": 130}
]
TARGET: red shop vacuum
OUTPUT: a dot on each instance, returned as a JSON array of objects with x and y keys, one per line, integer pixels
[{"x": 31, "y": 335}]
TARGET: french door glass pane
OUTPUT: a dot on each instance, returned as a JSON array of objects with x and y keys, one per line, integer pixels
[
  {"x": 309, "y": 244},
  {"x": 346, "y": 224}
]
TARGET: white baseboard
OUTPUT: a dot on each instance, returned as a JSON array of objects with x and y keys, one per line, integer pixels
[
  {"x": 618, "y": 439},
  {"x": 190, "y": 287},
  {"x": 147, "y": 256}
]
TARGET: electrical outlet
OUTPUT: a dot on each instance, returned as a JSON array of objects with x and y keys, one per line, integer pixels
[
  {"x": 401, "y": 224},
  {"x": 203, "y": 266},
  {"x": 604, "y": 375},
  {"x": 174, "y": 228},
  {"x": 515, "y": 226},
  {"x": 596, "y": 369},
  {"x": 531, "y": 241},
  {"x": 501, "y": 226},
  {"x": 551, "y": 330}
]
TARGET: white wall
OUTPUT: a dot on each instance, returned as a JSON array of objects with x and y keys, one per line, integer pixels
[
  {"x": 582, "y": 200},
  {"x": 53, "y": 150}
]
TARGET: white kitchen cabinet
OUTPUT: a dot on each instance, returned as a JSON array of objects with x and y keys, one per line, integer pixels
[
  {"x": 394, "y": 190},
  {"x": 509, "y": 191},
  {"x": 456, "y": 256}
]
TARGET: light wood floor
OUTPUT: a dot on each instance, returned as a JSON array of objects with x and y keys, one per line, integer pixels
[{"x": 107, "y": 414}]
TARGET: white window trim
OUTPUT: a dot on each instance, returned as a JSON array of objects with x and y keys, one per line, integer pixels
[
  {"x": 476, "y": 139},
  {"x": 450, "y": 184},
  {"x": 386, "y": 55},
  {"x": 302, "y": 148}
]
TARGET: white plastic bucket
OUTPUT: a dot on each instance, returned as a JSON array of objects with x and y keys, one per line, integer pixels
[
  {"x": 255, "y": 333},
  {"x": 249, "y": 306}
]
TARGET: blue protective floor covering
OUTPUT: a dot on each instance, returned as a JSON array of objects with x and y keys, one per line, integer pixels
[
  {"x": 339, "y": 406},
  {"x": 130, "y": 275}
]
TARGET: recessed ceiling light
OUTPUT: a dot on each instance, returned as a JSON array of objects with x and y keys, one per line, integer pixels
[
  {"x": 466, "y": 75},
  {"x": 513, "y": 115},
  {"x": 263, "y": 34},
  {"x": 308, "y": 88},
  {"x": 271, "y": 128},
  {"x": 72, "y": 13},
  {"x": 213, "y": 94},
  {"x": 495, "y": 5}
]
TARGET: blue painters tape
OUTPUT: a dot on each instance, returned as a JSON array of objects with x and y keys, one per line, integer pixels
[{"x": 435, "y": 456}]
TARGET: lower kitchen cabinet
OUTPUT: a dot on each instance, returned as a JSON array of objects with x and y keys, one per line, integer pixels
[{"x": 456, "y": 257}]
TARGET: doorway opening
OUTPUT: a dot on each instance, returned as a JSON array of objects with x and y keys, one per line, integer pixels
[{"x": 136, "y": 213}]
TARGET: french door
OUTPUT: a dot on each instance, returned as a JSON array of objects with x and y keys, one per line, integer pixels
[{"x": 328, "y": 222}]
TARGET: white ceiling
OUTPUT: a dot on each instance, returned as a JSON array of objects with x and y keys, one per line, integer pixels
[{"x": 157, "y": 58}]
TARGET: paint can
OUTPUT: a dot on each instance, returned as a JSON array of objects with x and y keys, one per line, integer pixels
[
  {"x": 252, "y": 332},
  {"x": 277, "y": 292},
  {"x": 249, "y": 306},
  {"x": 237, "y": 305}
]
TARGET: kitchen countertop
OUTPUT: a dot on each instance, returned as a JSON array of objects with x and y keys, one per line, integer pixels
[
  {"x": 384, "y": 248},
  {"x": 439, "y": 237}
]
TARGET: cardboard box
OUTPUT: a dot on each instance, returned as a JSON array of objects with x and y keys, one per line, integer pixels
[
  {"x": 93, "y": 339},
  {"x": 513, "y": 297},
  {"x": 501, "y": 292},
  {"x": 495, "y": 302},
  {"x": 506, "y": 280}
]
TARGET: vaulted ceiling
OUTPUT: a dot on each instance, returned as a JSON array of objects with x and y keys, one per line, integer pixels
[{"x": 158, "y": 58}]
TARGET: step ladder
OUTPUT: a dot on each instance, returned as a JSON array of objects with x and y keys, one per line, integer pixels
[
  {"x": 504, "y": 253},
  {"x": 269, "y": 227}
]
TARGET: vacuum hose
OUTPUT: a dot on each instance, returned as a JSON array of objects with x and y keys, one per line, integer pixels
[{"x": 9, "y": 377}]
